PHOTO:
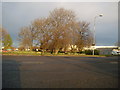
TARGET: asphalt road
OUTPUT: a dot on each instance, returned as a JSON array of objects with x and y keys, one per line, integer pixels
[{"x": 59, "y": 72}]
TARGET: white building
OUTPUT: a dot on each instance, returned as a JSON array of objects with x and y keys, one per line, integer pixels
[
  {"x": 104, "y": 50},
  {"x": 97, "y": 47}
]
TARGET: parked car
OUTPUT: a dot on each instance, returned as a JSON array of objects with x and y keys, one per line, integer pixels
[
  {"x": 115, "y": 52},
  {"x": 4, "y": 51}
]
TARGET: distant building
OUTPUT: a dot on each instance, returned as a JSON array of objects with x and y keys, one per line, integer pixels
[
  {"x": 104, "y": 50},
  {"x": 70, "y": 47}
]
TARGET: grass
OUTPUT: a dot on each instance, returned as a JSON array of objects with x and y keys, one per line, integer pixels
[
  {"x": 32, "y": 53},
  {"x": 20, "y": 53}
]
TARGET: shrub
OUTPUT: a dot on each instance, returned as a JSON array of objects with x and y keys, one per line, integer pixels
[
  {"x": 90, "y": 52},
  {"x": 81, "y": 52},
  {"x": 97, "y": 52}
]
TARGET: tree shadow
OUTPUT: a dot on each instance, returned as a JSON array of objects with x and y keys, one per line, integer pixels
[{"x": 10, "y": 74}]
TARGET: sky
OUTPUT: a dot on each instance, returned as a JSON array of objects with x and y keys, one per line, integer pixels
[{"x": 16, "y": 15}]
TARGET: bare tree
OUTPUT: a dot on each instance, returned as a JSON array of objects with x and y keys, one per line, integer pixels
[
  {"x": 84, "y": 35},
  {"x": 58, "y": 31},
  {"x": 43, "y": 31},
  {"x": 61, "y": 20},
  {"x": 25, "y": 38}
]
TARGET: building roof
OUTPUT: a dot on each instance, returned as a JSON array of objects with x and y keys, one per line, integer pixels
[
  {"x": 106, "y": 46},
  {"x": 96, "y": 47}
]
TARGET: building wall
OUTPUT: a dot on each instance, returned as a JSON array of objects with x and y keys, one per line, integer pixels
[{"x": 105, "y": 51}]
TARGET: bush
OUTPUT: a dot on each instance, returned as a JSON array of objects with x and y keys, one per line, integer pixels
[
  {"x": 90, "y": 52},
  {"x": 61, "y": 51},
  {"x": 81, "y": 52},
  {"x": 97, "y": 52}
]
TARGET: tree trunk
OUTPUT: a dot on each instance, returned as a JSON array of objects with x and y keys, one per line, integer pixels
[{"x": 56, "y": 51}]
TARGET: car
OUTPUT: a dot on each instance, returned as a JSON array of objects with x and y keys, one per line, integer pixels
[
  {"x": 115, "y": 52},
  {"x": 4, "y": 51}
]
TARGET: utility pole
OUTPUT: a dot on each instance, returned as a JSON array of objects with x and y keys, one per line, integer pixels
[{"x": 94, "y": 40}]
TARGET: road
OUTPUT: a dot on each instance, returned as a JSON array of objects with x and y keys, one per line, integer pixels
[{"x": 59, "y": 72}]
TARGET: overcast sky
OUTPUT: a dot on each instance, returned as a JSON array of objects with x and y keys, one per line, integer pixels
[{"x": 20, "y": 14}]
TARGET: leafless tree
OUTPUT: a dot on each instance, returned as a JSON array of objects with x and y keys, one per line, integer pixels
[
  {"x": 84, "y": 35},
  {"x": 43, "y": 31},
  {"x": 25, "y": 38},
  {"x": 58, "y": 31},
  {"x": 61, "y": 20}
]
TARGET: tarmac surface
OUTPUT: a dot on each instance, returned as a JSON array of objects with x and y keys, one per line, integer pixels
[{"x": 59, "y": 72}]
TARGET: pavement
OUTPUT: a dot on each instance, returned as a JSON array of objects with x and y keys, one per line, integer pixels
[{"x": 59, "y": 72}]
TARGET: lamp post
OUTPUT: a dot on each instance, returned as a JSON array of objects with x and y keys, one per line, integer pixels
[{"x": 100, "y": 15}]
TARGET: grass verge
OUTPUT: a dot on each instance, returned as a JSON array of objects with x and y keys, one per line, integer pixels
[{"x": 32, "y": 53}]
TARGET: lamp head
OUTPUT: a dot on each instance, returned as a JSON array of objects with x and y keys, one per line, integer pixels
[{"x": 101, "y": 15}]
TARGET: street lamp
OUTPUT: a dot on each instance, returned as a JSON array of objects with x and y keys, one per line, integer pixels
[{"x": 100, "y": 15}]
